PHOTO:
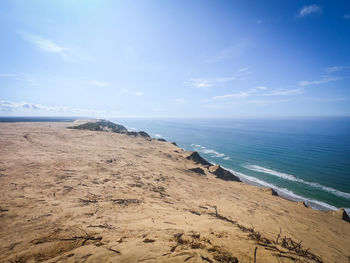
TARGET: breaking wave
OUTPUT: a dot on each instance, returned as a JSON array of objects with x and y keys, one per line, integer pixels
[
  {"x": 205, "y": 150},
  {"x": 284, "y": 192},
  {"x": 290, "y": 177}
]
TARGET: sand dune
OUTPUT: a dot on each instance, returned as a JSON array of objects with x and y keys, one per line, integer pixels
[{"x": 84, "y": 196}]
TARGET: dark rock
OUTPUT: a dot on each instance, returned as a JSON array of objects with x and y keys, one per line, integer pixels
[
  {"x": 303, "y": 204},
  {"x": 223, "y": 174},
  {"x": 194, "y": 156},
  {"x": 341, "y": 213},
  {"x": 270, "y": 191},
  {"x": 132, "y": 133},
  {"x": 174, "y": 143},
  {"x": 161, "y": 140},
  {"x": 144, "y": 134},
  {"x": 197, "y": 170}
]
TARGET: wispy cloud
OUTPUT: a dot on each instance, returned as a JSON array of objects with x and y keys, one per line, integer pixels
[
  {"x": 283, "y": 92},
  {"x": 8, "y": 75},
  {"x": 129, "y": 92},
  {"x": 97, "y": 83},
  {"x": 318, "y": 82},
  {"x": 346, "y": 16},
  {"x": 310, "y": 9},
  {"x": 199, "y": 83},
  {"x": 240, "y": 103},
  {"x": 230, "y": 52},
  {"x": 21, "y": 77},
  {"x": 26, "y": 106},
  {"x": 318, "y": 99},
  {"x": 241, "y": 94},
  {"x": 211, "y": 82},
  {"x": 267, "y": 102},
  {"x": 330, "y": 70},
  {"x": 47, "y": 45},
  {"x": 179, "y": 101},
  {"x": 260, "y": 91}
]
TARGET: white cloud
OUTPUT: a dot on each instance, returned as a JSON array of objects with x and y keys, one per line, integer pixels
[
  {"x": 261, "y": 88},
  {"x": 211, "y": 82},
  {"x": 333, "y": 69},
  {"x": 179, "y": 101},
  {"x": 47, "y": 45},
  {"x": 230, "y": 52},
  {"x": 139, "y": 93},
  {"x": 318, "y": 82},
  {"x": 97, "y": 83},
  {"x": 229, "y": 104},
  {"x": 157, "y": 109},
  {"x": 266, "y": 102},
  {"x": 311, "y": 9},
  {"x": 26, "y": 106},
  {"x": 258, "y": 92},
  {"x": 8, "y": 75},
  {"x": 121, "y": 92},
  {"x": 199, "y": 83},
  {"x": 346, "y": 16},
  {"x": 283, "y": 92},
  {"x": 241, "y": 94}
]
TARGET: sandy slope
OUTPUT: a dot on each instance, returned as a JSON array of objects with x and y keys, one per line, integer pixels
[{"x": 83, "y": 196}]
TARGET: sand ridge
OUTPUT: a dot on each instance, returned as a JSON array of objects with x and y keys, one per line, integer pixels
[{"x": 83, "y": 196}]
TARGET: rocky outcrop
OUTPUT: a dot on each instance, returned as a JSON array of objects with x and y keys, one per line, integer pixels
[
  {"x": 303, "y": 204},
  {"x": 161, "y": 140},
  {"x": 108, "y": 126},
  {"x": 144, "y": 134},
  {"x": 101, "y": 125},
  {"x": 223, "y": 174},
  {"x": 341, "y": 214},
  {"x": 132, "y": 133},
  {"x": 194, "y": 156},
  {"x": 197, "y": 170},
  {"x": 270, "y": 191}
]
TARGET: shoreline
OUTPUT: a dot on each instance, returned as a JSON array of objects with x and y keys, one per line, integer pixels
[{"x": 282, "y": 192}]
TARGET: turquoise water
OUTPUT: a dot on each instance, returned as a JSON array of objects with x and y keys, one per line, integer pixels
[{"x": 303, "y": 159}]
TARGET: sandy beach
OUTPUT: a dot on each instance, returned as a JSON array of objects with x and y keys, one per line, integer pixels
[{"x": 89, "y": 196}]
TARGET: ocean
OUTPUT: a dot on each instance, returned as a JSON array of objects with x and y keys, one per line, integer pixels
[{"x": 303, "y": 159}]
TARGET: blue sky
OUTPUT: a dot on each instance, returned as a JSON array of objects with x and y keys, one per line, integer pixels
[{"x": 174, "y": 58}]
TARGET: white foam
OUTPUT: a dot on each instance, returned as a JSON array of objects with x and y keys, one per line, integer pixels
[
  {"x": 347, "y": 210},
  {"x": 295, "y": 179},
  {"x": 131, "y": 128},
  {"x": 284, "y": 192},
  {"x": 226, "y": 158},
  {"x": 158, "y": 136},
  {"x": 205, "y": 150}
]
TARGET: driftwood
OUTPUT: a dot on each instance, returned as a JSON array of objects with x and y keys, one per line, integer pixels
[{"x": 294, "y": 248}]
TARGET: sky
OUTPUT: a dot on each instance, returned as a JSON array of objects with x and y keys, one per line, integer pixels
[{"x": 174, "y": 58}]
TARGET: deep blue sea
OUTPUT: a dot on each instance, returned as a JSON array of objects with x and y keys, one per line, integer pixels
[{"x": 302, "y": 158}]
